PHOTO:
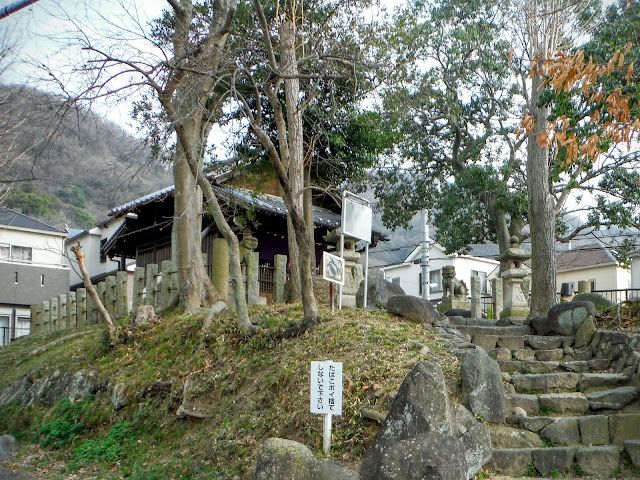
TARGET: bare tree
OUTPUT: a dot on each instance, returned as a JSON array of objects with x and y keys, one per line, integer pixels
[
  {"x": 189, "y": 44},
  {"x": 547, "y": 26}
]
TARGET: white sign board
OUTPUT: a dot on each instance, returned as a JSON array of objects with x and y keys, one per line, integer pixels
[
  {"x": 333, "y": 268},
  {"x": 326, "y": 388},
  {"x": 358, "y": 219}
]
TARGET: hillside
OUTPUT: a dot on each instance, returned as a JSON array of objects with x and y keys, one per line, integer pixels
[
  {"x": 66, "y": 163},
  {"x": 257, "y": 388}
]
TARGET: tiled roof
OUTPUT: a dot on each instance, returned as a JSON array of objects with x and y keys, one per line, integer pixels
[
  {"x": 592, "y": 255},
  {"x": 14, "y": 219},
  {"x": 261, "y": 201}
]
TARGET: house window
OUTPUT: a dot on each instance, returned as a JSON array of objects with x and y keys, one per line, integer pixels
[
  {"x": 593, "y": 284},
  {"x": 16, "y": 278},
  {"x": 483, "y": 280},
  {"x": 42, "y": 280},
  {"x": 4, "y": 252},
  {"x": 396, "y": 281},
  {"x": 23, "y": 326},
  {"x": 4, "y": 329},
  {"x": 21, "y": 254},
  {"x": 435, "y": 280}
]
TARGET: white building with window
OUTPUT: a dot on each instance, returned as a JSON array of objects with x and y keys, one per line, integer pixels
[
  {"x": 479, "y": 262},
  {"x": 33, "y": 268}
]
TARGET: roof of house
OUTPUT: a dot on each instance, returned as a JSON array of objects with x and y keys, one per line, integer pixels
[
  {"x": 261, "y": 201},
  {"x": 12, "y": 218},
  {"x": 592, "y": 255}
]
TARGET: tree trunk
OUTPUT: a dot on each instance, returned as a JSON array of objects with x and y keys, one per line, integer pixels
[
  {"x": 308, "y": 216},
  {"x": 295, "y": 168},
  {"x": 187, "y": 225},
  {"x": 86, "y": 280},
  {"x": 542, "y": 219}
]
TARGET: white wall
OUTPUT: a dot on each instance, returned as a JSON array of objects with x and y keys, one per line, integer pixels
[
  {"x": 607, "y": 277},
  {"x": 409, "y": 272},
  {"x": 90, "y": 242},
  {"x": 47, "y": 247},
  {"x": 635, "y": 272}
]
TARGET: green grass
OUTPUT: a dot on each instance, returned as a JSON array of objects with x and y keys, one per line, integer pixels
[{"x": 256, "y": 388}]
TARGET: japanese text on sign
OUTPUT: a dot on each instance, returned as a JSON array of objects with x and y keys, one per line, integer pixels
[{"x": 326, "y": 388}]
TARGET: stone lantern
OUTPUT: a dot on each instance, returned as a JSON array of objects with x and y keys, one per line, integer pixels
[{"x": 516, "y": 305}]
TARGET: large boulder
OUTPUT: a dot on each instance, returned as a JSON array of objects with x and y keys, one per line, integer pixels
[
  {"x": 482, "y": 387},
  {"x": 379, "y": 291},
  {"x": 280, "y": 459},
  {"x": 428, "y": 456},
  {"x": 563, "y": 318},
  {"x": 412, "y": 308},
  {"x": 421, "y": 406},
  {"x": 477, "y": 448},
  {"x": 600, "y": 301}
]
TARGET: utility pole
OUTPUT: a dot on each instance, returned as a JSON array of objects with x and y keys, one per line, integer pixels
[
  {"x": 424, "y": 258},
  {"x": 14, "y": 7}
]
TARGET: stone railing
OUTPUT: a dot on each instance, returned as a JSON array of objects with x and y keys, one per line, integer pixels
[{"x": 150, "y": 286}]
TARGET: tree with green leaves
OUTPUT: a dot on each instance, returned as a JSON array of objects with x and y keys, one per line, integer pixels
[{"x": 455, "y": 104}]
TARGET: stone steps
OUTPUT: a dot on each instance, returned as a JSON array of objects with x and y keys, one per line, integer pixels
[
  {"x": 568, "y": 410},
  {"x": 598, "y": 461},
  {"x": 584, "y": 382},
  {"x": 492, "y": 330},
  {"x": 577, "y": 366}
]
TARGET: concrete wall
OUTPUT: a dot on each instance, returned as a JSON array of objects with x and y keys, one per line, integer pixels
[{"x": 28, "y": 289}]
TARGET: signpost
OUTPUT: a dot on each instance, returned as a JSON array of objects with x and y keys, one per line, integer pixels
[
  {"x": 326, "y": 395},
  {"x": 357, "y": 220}
]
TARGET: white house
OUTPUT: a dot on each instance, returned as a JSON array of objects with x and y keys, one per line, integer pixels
[
  {"x": 93, "y": 242},
  {"x": 594, "y": 263},
  {"x": 33, "y": 268},
  {"x": 480, "y": 262}
]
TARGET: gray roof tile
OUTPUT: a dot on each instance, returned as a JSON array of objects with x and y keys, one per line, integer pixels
[{"x": 15, "y": 219}]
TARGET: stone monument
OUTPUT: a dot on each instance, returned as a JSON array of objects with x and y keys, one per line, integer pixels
[
  {"x": 454, "y": 291},
  {"x": 516, "y": 305}
]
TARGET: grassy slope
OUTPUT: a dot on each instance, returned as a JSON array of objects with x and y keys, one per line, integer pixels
[{"x": 260, "y": 389}]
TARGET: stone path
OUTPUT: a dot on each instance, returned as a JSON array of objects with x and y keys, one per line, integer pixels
[{"x": 570, "y": 410}]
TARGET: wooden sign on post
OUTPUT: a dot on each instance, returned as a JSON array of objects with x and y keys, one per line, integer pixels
[{"x": 326, "y": 395}]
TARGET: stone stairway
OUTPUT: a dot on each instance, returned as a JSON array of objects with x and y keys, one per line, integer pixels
[{"x": 570, "y": 407}]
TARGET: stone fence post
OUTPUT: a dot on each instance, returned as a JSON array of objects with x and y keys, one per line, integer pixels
[
  {"x": 46, "y": 316},
  {"x": 476, "y": 298},
  {"x": 62, "y": 312},
  {"x": 138, "y": 288},
  {"x": 151, "y": 290},
  {"x": 584, "y": 286},
  {"x": 53, "y": 310},
  {"x": 279, "y": 277},
  {"x": 168, "y": 284},
  {"x": 72, "y": 309},
  {"x": 252, "y": 260},
  {"x": 81, "y": 307},
  {"x": 122, "y": 300},
  {"x": 497, "y": 291},
  {"x": 36, "y": 318}
]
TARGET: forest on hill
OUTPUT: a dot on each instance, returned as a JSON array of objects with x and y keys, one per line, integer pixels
[{"x": 68, "y": 165}]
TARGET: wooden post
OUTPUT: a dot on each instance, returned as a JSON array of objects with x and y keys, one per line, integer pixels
[
  {"x": 63, "y": 312},
  {"x": 279, "y": 278},
  {"x": 36, "y": 319}
]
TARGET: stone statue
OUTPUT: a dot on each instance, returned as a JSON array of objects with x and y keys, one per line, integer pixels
[{"x": 452, "y": 287}]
